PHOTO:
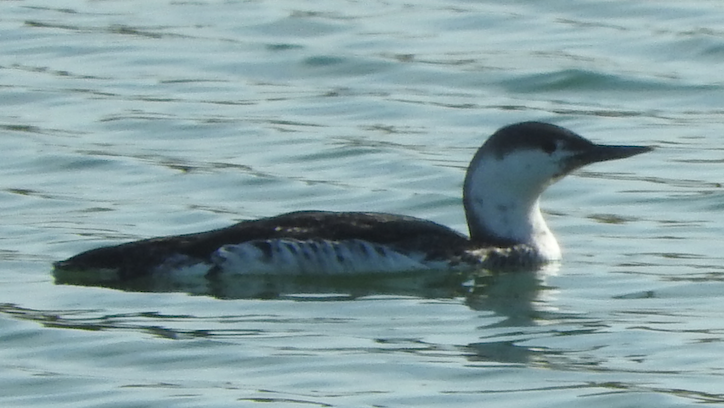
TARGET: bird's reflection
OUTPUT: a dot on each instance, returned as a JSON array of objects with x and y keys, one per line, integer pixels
[
  {"x": 523, "y": 301},
  {"x": 510, "y": 294},
  {"x": 518, "y": 299}
]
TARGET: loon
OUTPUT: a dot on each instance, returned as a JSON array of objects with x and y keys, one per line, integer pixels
[{"x": 501, "y": 195}]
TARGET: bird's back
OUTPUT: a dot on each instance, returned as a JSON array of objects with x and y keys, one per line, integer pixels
[{"x": 398, "y": 233}]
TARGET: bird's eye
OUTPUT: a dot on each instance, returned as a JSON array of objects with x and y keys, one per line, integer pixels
[{"x": 549, "y": 146}]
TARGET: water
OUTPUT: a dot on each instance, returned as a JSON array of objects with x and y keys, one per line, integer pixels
[{"x": 127, "y": 119}]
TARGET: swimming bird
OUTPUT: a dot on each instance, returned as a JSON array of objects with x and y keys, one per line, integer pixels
[{"x": 501, "y": 195}]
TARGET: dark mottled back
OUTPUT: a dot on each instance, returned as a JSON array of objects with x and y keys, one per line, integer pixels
[{"x": 406, "y": 233}]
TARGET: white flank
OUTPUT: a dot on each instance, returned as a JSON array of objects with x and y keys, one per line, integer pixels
[{"x": 289, "y": 256}]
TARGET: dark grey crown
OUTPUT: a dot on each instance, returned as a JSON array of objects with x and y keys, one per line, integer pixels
[{"x": 533, "y": 135}]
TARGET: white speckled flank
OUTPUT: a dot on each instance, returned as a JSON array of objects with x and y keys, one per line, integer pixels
[{"x": 286, "y": 256}]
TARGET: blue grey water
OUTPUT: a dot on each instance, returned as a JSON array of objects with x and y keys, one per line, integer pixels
[{"x": 124, "y": 119}]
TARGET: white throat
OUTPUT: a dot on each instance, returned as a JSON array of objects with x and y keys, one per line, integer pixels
[{"x": 501, "y": 197}]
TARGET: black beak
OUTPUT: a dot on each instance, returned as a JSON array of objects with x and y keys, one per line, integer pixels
[{"x": 599, "y": 153}]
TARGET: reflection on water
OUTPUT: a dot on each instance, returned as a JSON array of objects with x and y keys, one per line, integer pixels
[
  {"x": 509, "y": 292},
  {"x": 514, "y": 299},
  {"x": 426, "y": 284},
  {"x": 509, "y": 300},
  {"x": 515, "y": 305}
]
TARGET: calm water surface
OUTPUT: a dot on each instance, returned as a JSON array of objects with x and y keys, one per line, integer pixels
[{"x": 127, "y": 119}]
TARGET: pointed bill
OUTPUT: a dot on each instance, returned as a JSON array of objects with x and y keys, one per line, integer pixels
[{"x": 599, "y": 153}]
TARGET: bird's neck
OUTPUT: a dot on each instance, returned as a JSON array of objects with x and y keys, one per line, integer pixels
[{"x": 505, "y": 214}]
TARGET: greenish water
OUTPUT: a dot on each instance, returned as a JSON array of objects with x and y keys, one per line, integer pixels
[{"x": 122, "y": 120}]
